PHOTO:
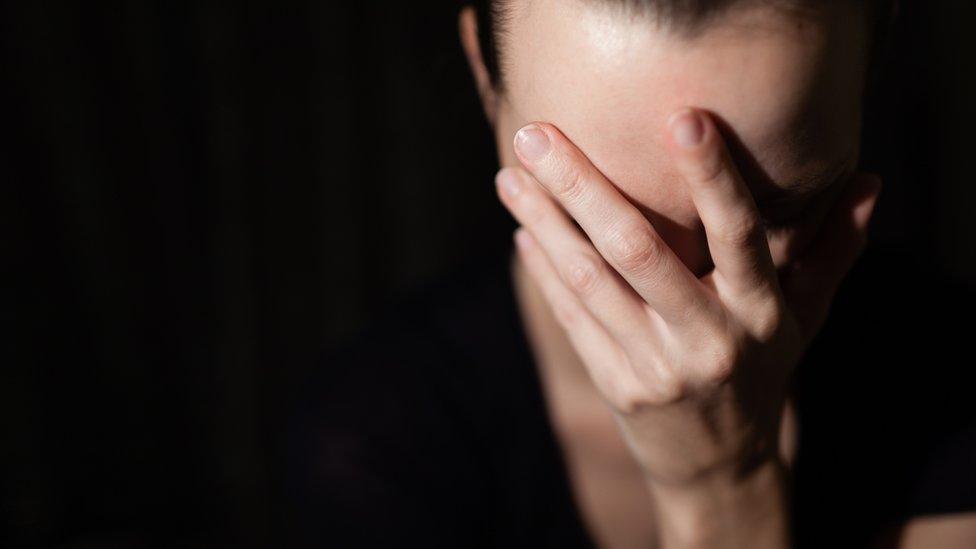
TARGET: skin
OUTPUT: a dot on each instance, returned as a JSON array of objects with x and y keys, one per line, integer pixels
[{"x": 688, "y": 207}]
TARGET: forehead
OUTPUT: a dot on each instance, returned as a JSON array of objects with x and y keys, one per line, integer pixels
[{"x": 786, "y": 86}]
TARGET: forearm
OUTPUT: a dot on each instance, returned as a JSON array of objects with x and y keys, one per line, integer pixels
[{"x": 751, "y": 511}]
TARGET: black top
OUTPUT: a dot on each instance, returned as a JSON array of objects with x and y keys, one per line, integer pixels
[{"x": 430, "y": 427}]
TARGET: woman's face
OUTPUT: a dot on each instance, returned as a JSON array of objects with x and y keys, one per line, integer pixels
[{"x": 787, "y": 87}]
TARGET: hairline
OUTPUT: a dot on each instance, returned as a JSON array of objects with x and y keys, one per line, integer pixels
[{"x": 685, "y": 19}]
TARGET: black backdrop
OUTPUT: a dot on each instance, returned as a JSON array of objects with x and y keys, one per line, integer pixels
[{"x": 198, "y": 196}]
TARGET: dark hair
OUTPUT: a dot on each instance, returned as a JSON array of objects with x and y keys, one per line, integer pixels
[{"x": 687, "y": 16}]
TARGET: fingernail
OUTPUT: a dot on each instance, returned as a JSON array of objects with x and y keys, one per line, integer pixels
[
  {"x": 686, "y": 128},
  {"x": 508, "y": 182},
  {"x": 532, "y": 143}
]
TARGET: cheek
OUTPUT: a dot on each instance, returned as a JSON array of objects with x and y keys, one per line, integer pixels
[
  {"x": 664, "y": 201},
  {"x": 687, "y": 240}
]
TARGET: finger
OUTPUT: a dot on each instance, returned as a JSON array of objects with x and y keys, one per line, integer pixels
[
  {"x": 615, "y": 226},
  {"x": 812, "y": 280},
  {"x": 605, "y": 361},
  {"x": 736, "y": 237},
  {"x": 605, "y": 295}
]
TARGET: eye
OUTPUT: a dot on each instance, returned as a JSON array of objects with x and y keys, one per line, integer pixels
[{"x": 789, "y": 209}]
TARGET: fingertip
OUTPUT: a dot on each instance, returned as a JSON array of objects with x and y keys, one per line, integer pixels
[
  {"x": 686, "y": 128},
  {"x": 508, "y": 182},
  {"x": 697, "y": 147},
  {"x": 532, "y": 143}
]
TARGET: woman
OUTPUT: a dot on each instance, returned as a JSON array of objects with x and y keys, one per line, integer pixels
[{"x": 685, "y": 177}]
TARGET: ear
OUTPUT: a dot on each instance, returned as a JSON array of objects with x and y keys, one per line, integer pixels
[{"x": 468, "y": 27}]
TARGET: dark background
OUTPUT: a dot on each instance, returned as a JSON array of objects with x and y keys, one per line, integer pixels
[{"x": 197, "y": 197}]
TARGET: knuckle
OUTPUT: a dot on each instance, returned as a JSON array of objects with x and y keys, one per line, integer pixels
[
  {"x": 669, "y": 384},
  {"x": 767, "y": 323},
  {"x": 722, "y": 362},
  {"x": 740, "y": 231},
  {"x": 634, "y": 249},
  {"x": 583, "y": 274},
  {"x": 668, "y": 390},
  {"x": 618, "y": 401},
  {"x": 664, "y": 386},
  {"x": 567, "y": 314},
  {"x": 658, "y": 386},
  {"x": 570, "y": 184},
  {"x": 628, "y": 402}
]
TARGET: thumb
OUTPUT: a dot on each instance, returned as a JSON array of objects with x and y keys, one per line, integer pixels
[{"x": 810, "y": 283}]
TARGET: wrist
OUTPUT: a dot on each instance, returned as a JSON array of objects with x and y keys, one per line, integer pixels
[
  {"x": 709, "y": 450},
  {"x": 749, "y": 509}
]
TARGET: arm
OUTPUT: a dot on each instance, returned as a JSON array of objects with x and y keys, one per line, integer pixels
[
  {"x": 695, "y": 369},
  {"x": 750, "y": 511}
]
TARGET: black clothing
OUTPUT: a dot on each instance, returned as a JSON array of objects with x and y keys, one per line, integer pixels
[{"x": 430, "y": 428}]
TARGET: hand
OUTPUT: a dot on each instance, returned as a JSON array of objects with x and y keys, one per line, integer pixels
[{"x": 695, "y": 369}]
